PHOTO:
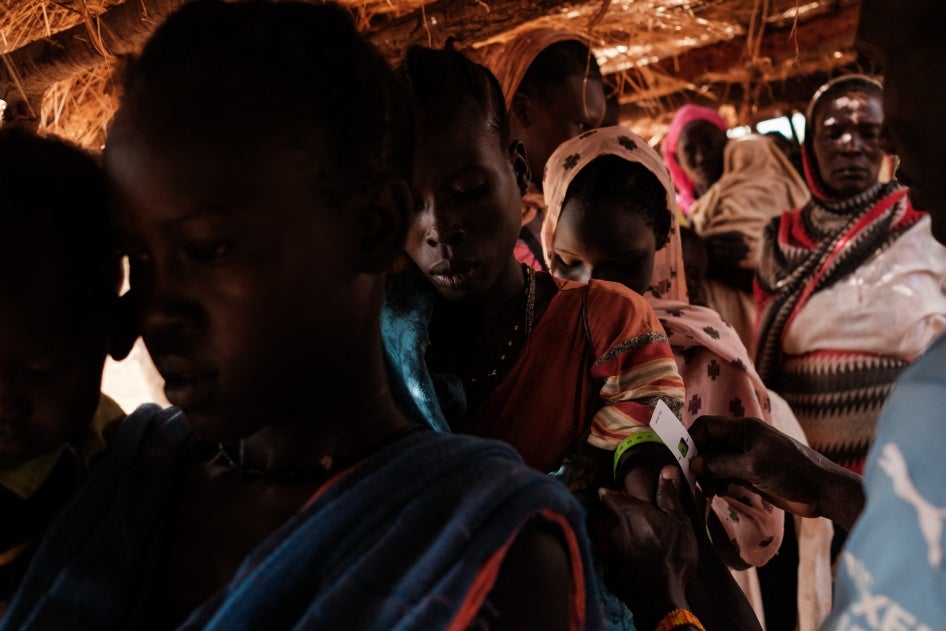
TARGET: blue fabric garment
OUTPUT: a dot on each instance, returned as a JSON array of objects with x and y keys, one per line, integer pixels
[
  {"x": 405, "y": 316},
  {"x": 394, "y": 544},
  {"x": 892, "y": 572}
]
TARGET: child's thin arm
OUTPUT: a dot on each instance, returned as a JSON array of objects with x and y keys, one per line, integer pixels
[{"x": 639, "y": 468}]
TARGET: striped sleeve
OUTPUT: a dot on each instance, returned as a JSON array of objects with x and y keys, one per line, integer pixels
[{"x": 633, "y": 362}]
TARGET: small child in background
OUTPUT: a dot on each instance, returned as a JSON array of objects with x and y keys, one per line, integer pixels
[{"x": 59, "y": 280}]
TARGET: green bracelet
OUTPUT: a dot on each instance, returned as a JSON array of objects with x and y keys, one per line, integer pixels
[{"x": 646, "y": 436}]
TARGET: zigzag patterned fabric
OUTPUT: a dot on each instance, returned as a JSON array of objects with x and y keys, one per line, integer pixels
[
  {"x": 837, "y": 398},
  {"x": 836, "y": 395}
]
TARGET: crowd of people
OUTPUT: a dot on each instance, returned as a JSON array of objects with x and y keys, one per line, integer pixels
[{"x": 415, "y": 329}]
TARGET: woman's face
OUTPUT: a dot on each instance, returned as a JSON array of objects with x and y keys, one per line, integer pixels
[
  {"x": 604, "y": 241},
  {"x": 700, "y": 153},
  {"x": 846, "y": 143},
  {"x": 566, "y": 111},
  {"x": 468, "y": 192}
]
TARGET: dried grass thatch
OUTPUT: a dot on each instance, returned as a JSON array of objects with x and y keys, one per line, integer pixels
[
  {"x": 81, "y": 107},
  {"x": 656, "y": 54},
  {"x": 22, "y": 21},
  {"x": 364, "y": 11}
]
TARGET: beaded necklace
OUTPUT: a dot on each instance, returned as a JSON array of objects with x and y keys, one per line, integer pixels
[{"x": 503, "y": 363}]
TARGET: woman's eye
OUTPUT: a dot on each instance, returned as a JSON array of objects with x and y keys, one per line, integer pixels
[
  {"x": 470, "y": 190},
  {"x": 559, "y": 261},
  {"x": 208, "y": 251}
]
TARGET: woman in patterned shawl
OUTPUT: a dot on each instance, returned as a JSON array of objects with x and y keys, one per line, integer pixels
[{"x": 849, "y": 286}]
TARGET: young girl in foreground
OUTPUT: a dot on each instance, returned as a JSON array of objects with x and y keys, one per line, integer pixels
[{"x": 294, "y": 494}]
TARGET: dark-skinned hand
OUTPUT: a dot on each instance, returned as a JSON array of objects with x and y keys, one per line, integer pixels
[
  {"x": 788, "y": 474},
  {"x": 654, "y": 548},
  {"x": 726, "y": 248}
]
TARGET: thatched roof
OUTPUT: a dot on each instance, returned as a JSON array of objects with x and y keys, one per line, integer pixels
[{"x": 756, "y": 56}]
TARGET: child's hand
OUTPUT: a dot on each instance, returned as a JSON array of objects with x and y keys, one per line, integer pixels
[
  {"x": 640, "y": 468},
  {"x": 727, "y": 248},
  {"x": 654, "y": 548}
]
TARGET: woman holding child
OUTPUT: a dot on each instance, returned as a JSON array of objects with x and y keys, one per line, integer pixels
[{"x": 567, "y": 373}]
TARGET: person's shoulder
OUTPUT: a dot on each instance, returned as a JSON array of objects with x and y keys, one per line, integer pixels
[
  {"x": 151, "y": 416},
  {"x": 601, "y": 298},
  {"x": 148, "y": 427},
  {"x": 449, "y": 446},
  {"x": 432, "y": 454},
  {"x": 755, "y": 141},
  {"x": 911, "y": 414},
  {"x": 750, "y": 144},
  {"x": 616, "y": 295},
  {"x": 479, "y": 473},
  {"x": 930, "y": 368}
]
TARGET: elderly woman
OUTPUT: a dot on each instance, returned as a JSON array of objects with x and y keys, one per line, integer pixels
[
  {"x": 729, "y": 191},
  {"x": 849, "y": 289}
]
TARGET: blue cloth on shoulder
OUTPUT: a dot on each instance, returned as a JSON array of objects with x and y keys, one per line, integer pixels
[
  {"x": 396, "y": 543},
  {"x": 406, "y": 313}
]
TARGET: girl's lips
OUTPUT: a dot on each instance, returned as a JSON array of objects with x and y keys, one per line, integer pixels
[
  {"x": 452, "y": 274},
  {"x": 186, "y": 381},
  {"x": 454, "y": 266},
  {"x": 852, "y": 172},
  {"x": 188, "y": 391}
]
